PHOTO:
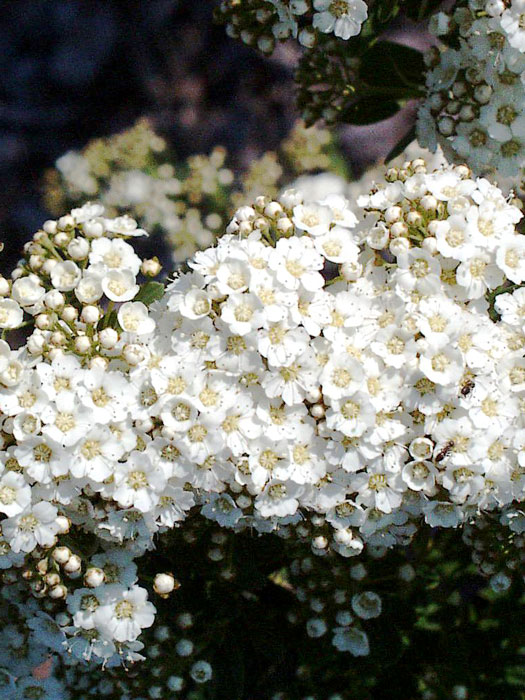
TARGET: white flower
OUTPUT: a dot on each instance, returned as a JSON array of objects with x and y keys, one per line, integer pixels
[
  {"x": 65, "y": 276},
  {"x": 15, "y": 494},
  {"x": 33, "y": 526},
  {"x": 119, "y": 285},
  {"x": 133, "y": 317},
  {"x": 441, "y": 363},
  {"x": 512, "y": 24},
  {"x": 11, "y": 315},
  {"x": 138, "y": 482},
  {"x": 296, "y": 263},
  {"x": 221, "y": 508},
  {"x": 510, "y": 257},
  {"x": 124, "y": 613},
  {"x": 278, "y": 499},
  {"x": 28, "y": 291},
  {"x": 441, "y": 514},
  {"x": 242, "y": 313},
  {"x": 313, "y": 218},
  {"x": 342, "y": 17},
  {"x": 114, "y": 254},
  {"x": 89, "y": 289}
]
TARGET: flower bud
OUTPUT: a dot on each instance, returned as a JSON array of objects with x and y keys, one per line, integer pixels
[
  {"x": 69, "y": 314},
  {"x": 43, "y": 322},
  {"x": 393, "y": 214},
  {"x": 430, "y": 245},
  {"x": 82, "y": 344},
  {"x": 36, "y": 343},
  {"x": 65, "y": 222},
  {"x": 90, "y": 314},
  {"x": 108, "y": 338},
  {"x": 54, "y": 300},
  {"x": 414, "y": 218},
  {"x": 58, "y": 338},
  {"x": 61, "y": 555},
  {"x": 55, "y": 353},
  {"x": 50, "y": 226},
  {"x": 94, "y": 577},
  {"x": 36, "y": 262},
  {"x": 98, "y": 363},
  {"x": 164, "y": 584},
  {"x": 42, "y": 566},
  {"x": 351, "y": 271},
  {"x": 73, "y": 565},
  {"x": 429, "y": 202},
  {"x": 93, "y": 228},
  {"x": 49, "y": 265},
  {"x": 399, "y": 229},
  {"x": 52, "y": 579},
  {"x": 284, "y": 225},
  {"x": 63, "y": 523},
  {"x": 58, "y": 592},
  {"x": 151, "y": 267},
  {"x": 61, "y": 239},
  {"x": 318, "y": 410},
  {"x": 398, "y": 246},
  {"x": 78, "y": 249},
  {"x": 134, "y": 354}
]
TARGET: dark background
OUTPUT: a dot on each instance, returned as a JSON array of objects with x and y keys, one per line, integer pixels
[{"x": 72, "y": 70}]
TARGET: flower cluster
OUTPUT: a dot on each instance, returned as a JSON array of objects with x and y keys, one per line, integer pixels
[
  {"x": 475, "y": 99},
  {"x": 336, "y": 376},
  {"x": 376, "y": 397},
  {"x": 187, "y": 203},
  {"x": 262, "y": 23}
]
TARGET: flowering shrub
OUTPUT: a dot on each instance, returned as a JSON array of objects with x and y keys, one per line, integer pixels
[{"x": 343, "y": 375}]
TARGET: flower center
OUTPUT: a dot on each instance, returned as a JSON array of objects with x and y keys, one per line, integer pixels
[
  {"x": 7, "y": 495},
  {"x": 137, "y": 480},
  {"x": 124, "y": 610},
  {"x": 339, "y": 8}
]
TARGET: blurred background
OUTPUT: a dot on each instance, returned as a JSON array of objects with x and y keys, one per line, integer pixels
[{"x": 72, "y": 70}]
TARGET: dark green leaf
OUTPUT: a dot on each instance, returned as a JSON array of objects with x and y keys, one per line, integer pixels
[
  {"x": 150, "y": 292},
  {"x": 393, "y": 66},
  {"x": 370, "y": 110}
]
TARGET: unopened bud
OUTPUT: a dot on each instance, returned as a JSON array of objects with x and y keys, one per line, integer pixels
[
  {"x": 90, "y": 314},
  {"x": 94, "y": 577},
  {"x": 63, "y": 523},
  {"x": 108, "y": 338},
  {"x": 151, "y": 267},
  {"x": 58, "y": 592},
  {"x": 82, "y": 344},
  {"x": 164, "y": 584},
  {"x": 61, "y": 555},
  {"x": 73, "y": 565},
  {"x": 69, "y": 314}
]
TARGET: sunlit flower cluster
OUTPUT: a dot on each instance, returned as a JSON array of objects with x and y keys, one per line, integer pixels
[
  {"x": 475, "y": 100},
  {"x": 338, "y": 375},
  {"x": 262, "y": 23}
]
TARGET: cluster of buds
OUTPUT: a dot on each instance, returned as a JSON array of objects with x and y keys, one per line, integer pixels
[{"x": 263, "y": 23}]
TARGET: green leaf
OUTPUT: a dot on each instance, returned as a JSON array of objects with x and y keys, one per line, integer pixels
[
  {"x": 369, "y": 110},
  {"x": 401, "y": 144},
  {"x": 393, "y": 66},
  {"x": 150, "y": 292}
]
